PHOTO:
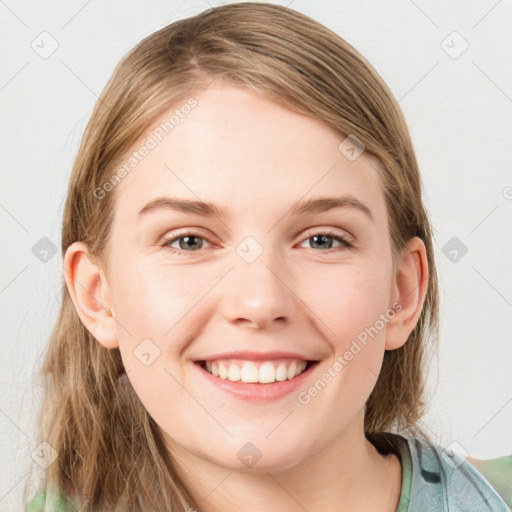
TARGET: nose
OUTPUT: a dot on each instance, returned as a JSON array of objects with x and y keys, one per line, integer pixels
[{"x": 259, "y": 294}]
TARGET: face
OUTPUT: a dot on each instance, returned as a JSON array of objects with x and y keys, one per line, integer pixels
[{"x": 255, "y": 285}]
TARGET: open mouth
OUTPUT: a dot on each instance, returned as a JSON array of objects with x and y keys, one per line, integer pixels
[{"x": 256, "y": 372}]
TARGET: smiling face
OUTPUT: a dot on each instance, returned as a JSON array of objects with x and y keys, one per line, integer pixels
[{"x": 255, "y": 271}]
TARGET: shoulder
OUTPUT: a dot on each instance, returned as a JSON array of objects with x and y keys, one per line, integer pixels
[
  {"x": 498, "y": 472},
  {"x": 50, "y": 502},
  {"x": 449, "y": 481}
]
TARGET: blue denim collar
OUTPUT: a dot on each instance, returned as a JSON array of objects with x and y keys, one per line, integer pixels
[{"x": 437, "y": 479}]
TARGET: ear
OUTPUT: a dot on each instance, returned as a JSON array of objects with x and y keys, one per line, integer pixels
[
  {"x": 90, "y": 293},
  {"x": 409, "y": 292}
]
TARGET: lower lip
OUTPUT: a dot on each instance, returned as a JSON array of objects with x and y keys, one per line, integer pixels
[{"x": 257, "y": 391}]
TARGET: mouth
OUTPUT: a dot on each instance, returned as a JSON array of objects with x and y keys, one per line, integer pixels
[{"x": 256, "y": 372}]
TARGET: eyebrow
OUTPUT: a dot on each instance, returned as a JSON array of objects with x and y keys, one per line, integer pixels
[{"x": 205, "y": 209}]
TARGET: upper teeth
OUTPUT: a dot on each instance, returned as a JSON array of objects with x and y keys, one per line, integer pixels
[{"x": 264, "y": 372}]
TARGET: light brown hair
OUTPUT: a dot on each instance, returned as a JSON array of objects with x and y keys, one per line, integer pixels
[{"x": 111, "y": 455}]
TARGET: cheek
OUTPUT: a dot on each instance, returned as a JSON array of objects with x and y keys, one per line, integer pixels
[
  {"x": 351, "y": 300},
  {"x": 160, "y": 311},
  {"x": 349, "y": 307},
  {"x": 150, "y": 300},
  {"x": 153, "y": 313}
]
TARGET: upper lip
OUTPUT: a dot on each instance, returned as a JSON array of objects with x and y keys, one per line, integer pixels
[{"x": 255, "y": 356}]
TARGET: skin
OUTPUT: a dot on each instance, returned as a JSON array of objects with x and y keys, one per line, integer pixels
[{"x": 255, "y": 158}]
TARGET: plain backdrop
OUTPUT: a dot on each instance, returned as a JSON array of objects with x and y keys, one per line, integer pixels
[{"x": 449, "y": 66}]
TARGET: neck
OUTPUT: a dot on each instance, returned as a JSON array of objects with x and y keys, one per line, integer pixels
[{"x": 348, "y": 474}]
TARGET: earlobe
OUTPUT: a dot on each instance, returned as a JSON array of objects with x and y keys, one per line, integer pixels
[
  {"x": 410, "y": 287},
  {"x": 90, "y": 292}
]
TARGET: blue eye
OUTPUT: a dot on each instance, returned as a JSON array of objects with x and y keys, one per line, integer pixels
[
  {"x": 186, "y": 241},
  {"x": 324, "y": 240},
  {"x": 192, "y": 242}
]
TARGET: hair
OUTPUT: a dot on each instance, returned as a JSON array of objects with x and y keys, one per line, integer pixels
[{"x": 111, "y": 454}]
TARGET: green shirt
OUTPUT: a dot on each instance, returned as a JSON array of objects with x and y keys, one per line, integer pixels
[{"x": 433, "y": 479}]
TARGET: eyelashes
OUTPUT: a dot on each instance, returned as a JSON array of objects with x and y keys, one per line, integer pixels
[
  {"x": 333, "y": 235},
  {"x": 193, "y": 239},
  {"x": 167, "y": 242}
]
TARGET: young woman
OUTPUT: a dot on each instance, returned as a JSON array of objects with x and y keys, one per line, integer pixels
[{"x": 250, "y": 288}]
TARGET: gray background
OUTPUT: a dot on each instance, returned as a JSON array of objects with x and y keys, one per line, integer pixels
[{"x": 458, "y": 105}]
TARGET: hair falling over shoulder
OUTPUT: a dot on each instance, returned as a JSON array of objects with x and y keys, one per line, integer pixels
[{"x": 111, "y": 455}]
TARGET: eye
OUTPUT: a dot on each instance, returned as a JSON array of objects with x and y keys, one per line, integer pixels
[
  {"x": 193, "y": 242},
  {"x": 188, "y": 242},
  {"x": 324, "y": 240}
]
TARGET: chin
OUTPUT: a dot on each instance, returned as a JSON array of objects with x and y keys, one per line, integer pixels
[{"x": 259, "y": 456}]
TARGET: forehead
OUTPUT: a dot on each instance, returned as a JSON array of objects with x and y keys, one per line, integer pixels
[{"x": 238, "y": 149}]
